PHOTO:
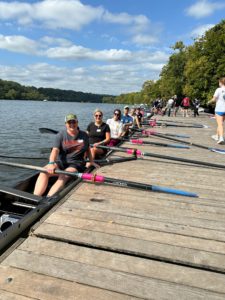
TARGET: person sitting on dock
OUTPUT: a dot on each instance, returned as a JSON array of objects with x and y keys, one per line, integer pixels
[
  {"x": 116, "y": 128},
  {"x": 127, "y": 121},
  {"x": 99, "y": 134},
  {"x": 68, "y": 152},
  {"x": 139, "y": 117}
]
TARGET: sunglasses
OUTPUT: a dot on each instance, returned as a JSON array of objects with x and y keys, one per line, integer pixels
[
  {"x": 72, "y": 122},
  {"x": 98, "y": 116},
  {"x": 116, "y": 114}
]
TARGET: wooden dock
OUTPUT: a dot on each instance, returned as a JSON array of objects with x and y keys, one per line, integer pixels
[{"x": 105, "y": 242}]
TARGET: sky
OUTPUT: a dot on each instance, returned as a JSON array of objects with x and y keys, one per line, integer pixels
[{"x": 106, "y": 47}]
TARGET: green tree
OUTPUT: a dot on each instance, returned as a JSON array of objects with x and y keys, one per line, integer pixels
[
  {"x": 206, "y": 63},
  {"x": 172, "y": 75},
  {"x": 11, "y": 94}
]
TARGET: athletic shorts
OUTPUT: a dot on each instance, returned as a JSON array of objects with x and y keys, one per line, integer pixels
[
  {"x": 186, "y": 107},
  {"x": 80, "y": 167},
  {"x": 220, "y": 113}
]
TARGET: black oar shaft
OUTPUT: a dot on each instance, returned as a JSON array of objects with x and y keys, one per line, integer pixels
[
  {"x": 180, "y": 141},
  {"x": 196, "y": 162},
  {"x": 138, "y": 152}
]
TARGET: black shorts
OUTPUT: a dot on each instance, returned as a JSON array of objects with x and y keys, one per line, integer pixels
[{"x": 80, "y": 167}]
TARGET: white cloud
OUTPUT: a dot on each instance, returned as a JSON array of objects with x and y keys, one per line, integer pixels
[
  {"x": 203, "y": 8},
  {"x": 73, "y": 15},
  {"x": 17, "y": 43},
  {"x": 47, "y": 40},
  {"x": 67, "y": 51},
  {"x": 138, "y": 21},
  {"x": 51, "y": 13},
  {"x": 200, "y": 30},
  {"x": 110, "y": 78},
  {"x": 144, "y": 39},
  {"x": 78, "y": 52}
]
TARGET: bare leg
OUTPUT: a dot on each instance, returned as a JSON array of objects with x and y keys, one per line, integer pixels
[
  {"x": 41, "y": 183},
  {"x": 220, "y": 120},
  {"x": 183, "y": 110},
  {"x": 96, "y": 152},
  {"x": 61, "y": 181}
]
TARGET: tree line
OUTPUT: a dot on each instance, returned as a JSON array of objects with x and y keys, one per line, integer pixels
[
  {"x": 191, "y": 71},
  {"x": 11, "y": 90}
]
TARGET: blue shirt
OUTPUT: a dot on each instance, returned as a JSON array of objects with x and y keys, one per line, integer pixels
[{"x": 126, "y": 119}]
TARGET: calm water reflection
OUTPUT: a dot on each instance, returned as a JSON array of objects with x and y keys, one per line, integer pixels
[{"x": 19, "y": 123}]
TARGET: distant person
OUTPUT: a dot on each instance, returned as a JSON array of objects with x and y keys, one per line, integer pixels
[
  {"x": 116, "y": 128},
  {"x": 68, "y": 153},
  {"x": 185, "y": 105},
  {"x": 99, "y": 134},
  {"x": 169, "y": 106},
  {"x": 127, "y": 120},
  {"x": 157, "y": 106},
  {"x": 219, "y": 98},
  {"x": 177, "y": 103},
  {"x": 196, "y": 105}
]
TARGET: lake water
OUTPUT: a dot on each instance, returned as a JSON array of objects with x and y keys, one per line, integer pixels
[{"x": 19, "y": 134}]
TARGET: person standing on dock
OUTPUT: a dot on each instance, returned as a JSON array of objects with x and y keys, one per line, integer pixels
[
  {"x": 169, "y": 106},
  {"x": 196, "y": 105},
  {"x": 68, "y": 152},
  {"x": 219, "y": 98},
  {"x": 99, "y": 134},
  {"x": 185, "y": 105},
  {"x": 177, "y": 103}
]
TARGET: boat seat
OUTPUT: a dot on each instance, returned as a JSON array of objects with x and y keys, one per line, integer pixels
[{"x": 33, "y": 199}]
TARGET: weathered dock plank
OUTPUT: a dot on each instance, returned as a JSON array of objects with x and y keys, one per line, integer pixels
[
  {"x": 115, "y": 272},
  {"x": 29, "y": 284}
]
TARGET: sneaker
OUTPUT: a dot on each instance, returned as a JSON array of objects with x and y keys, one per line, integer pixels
[
  {"x": 221, "y": 140},
  {"x": 215, "y": 137}
]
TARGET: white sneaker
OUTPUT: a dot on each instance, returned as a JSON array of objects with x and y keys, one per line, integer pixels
[
  {"x": 221, "y": 140},
  {"x": 215, "y": 137}
]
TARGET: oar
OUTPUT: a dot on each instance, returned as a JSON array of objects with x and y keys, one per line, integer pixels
[
  {"x": 143, "y": 131},
  {"x": 141, "y": 142},
  {"x": 110, "y": 160},
  {"x": 140, "y": 153},
  {"x": 179, "y": 122},
  {"x": 92, "y": 178},
  {"x": 98, "y": 161},
  {"x": 48, "y": 130},
  {"x": 21, "y": 157},
  {"x": 221, "y": 151},
  {"x": 155, "y": 123}
]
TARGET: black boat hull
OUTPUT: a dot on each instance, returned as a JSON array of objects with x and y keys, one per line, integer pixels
[{"x": 19, "y": 209}]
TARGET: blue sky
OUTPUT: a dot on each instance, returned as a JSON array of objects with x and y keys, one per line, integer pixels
[{"x": 97, "y": 46}]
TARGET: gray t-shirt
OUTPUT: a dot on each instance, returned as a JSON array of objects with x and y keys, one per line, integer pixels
[{"x": 71, "y": 148}]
